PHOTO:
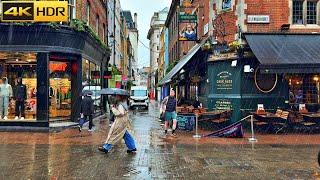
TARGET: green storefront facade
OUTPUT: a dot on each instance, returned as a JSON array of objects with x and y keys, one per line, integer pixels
[{"x": 230, "y": 88}]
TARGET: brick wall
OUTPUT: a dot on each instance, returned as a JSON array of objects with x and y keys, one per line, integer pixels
[
  {"x": 97, "y": 7},
  {"x": 226, "y": 22}
]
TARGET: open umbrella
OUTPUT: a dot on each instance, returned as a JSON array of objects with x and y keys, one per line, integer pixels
[{"x": 113, "y": 91}]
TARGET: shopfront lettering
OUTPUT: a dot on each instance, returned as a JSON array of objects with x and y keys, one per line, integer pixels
[
  {"x": 224, "y": 81},
  {"x": 58, "y": 67}
]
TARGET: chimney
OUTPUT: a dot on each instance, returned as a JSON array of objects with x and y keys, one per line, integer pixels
[{"x": 136, "y": 20}]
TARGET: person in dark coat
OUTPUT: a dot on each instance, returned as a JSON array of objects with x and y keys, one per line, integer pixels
[
  {"x": 20, "y": 97},
  {"x": 87, "y": 110}
]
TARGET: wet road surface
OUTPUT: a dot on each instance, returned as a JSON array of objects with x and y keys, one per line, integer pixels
[{"x": 73, "y": 155}]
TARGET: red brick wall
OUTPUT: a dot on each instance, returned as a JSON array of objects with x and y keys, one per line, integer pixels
[
  {"x": 96, "y": 8},
  {"x": 224, "y": 24},
  {"x": 278, "y": 10}
]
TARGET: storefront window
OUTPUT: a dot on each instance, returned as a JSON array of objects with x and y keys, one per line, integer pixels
[
  {"x": 18, "y": 83},
  {"x": 60, "y": 90},
  {"x": 304, "y": 89},
  {"x": 91, "y": 81}
]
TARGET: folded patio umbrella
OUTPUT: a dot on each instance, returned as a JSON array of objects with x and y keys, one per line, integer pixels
[{"x": 234, "y": 130}]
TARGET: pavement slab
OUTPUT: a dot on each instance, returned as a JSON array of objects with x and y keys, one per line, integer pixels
[{"x": 72, "y": 155}]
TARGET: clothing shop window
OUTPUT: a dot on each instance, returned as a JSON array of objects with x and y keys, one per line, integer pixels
[
  {"x": 18, "y": 85},
  {"x": 59, "y": 90}
]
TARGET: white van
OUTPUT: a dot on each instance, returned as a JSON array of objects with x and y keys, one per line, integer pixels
[{"x": 139, "y": 97}]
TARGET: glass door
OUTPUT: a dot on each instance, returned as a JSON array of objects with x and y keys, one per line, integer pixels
[{"x": 60, "y": 91}]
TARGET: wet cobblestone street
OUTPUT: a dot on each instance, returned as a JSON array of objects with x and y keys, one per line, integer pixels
[{"x": 73, "y": 155}]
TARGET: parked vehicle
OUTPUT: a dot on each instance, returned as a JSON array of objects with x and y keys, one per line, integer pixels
[
  {"x": 96, "y": 95},
  {"x": 139, "y": 97}
]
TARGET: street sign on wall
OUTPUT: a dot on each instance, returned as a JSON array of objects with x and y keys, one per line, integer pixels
[{"x": 260, "y": 19}]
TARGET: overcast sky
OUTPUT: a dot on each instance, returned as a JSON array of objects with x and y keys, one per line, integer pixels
[{"x": 145, "y": 10}]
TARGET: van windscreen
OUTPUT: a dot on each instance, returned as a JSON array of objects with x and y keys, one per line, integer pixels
[{"x": 139, "y": 93}]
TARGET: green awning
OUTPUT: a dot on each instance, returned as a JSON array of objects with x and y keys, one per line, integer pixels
[{"x": 184, "y": 60}]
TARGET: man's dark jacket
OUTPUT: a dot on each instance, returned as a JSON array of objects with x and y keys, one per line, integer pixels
[{"x": 87, "y": 106}]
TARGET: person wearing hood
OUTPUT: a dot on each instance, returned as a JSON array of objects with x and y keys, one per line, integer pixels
[
  {"x": 20, "y": 96},
  {"x": 87, "y": 110},
  {"x": 5, "y": 95}
]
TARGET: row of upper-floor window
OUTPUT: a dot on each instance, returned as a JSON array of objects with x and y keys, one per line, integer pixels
[{"x": 305, "y": 12}]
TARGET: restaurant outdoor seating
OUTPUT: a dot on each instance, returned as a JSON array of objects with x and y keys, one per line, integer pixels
[{"x": 270, "y": 121}]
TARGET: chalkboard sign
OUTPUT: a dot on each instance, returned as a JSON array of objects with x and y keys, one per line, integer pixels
[{"x": 186, "y": 122}]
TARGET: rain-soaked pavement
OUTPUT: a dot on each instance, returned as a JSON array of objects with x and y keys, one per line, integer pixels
[{"x": 73, "y": 155}]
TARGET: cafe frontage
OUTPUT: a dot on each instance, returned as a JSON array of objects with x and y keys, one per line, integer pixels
[
  {"x": 55, "y": 64},
  {"x": 279, "y": 73}
]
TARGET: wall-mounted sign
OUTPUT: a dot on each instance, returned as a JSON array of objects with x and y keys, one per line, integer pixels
[
  {"x": 260, "y": 19},
  {"x": 223, "y": 104},
  {"x": 224, "y": 80},
  {"x": 188, "y": 18},
  {"x": 34, "y": 11}
]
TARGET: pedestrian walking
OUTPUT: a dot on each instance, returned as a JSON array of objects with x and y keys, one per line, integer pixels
[
  {"x": 87, "y": 110},
  {"x": 120, "y": 127},
  {"x": 170, "y": 115}
]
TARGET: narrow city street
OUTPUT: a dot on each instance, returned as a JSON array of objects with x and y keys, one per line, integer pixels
[{"x": 73, "y": 155}]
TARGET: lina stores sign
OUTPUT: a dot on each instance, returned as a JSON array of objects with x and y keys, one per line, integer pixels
[{"x": 34, "y": 11}]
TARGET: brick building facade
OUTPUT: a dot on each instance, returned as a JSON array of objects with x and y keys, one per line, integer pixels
[
  {"x": 227, "y": 23},
  {"x": 96, "y": 9}
]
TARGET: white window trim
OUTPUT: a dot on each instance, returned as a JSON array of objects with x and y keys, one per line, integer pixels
[
  {"x": 88, "y": 7},
  {"x": 305, "y": 25}
]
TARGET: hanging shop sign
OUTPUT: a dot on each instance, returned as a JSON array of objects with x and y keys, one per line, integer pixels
[
  {"x": 258, "y": 19},
  {"x": 188, "y": 22},
  {"x": 34, "y": 11},
  {"x": 107, "y": 75},
  {"x": 95, "y": 74},
  {"x": 224, "y": 81}
]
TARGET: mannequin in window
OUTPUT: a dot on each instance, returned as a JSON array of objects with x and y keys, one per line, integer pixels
[
  {"x": 5, "y": 95},
  {"x": 20, "y": 96}
]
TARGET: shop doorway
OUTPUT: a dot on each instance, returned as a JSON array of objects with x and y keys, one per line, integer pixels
[{"x": 60, "y": 93}]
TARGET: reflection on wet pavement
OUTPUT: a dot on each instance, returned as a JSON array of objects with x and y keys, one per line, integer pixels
[{"x": 73, "y": 155}]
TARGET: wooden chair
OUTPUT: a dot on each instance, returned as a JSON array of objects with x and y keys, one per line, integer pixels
[
  {"x": 278, "y": 112},
  {"x": 283, "y": 117}
]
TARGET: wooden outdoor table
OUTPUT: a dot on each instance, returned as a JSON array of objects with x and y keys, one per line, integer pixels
[
  {"x": 268, "y": 118},
  {"x": 315, "y": 117}
]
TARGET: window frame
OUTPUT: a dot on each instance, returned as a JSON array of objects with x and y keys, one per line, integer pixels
[
  {"x": 88, "y": 9},
  {"x": 305, "y": 12}
]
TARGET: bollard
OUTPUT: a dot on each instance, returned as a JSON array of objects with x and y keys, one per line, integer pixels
[
  {"x": 252, "y": 139},
  {"x": 196, "y": 135}
]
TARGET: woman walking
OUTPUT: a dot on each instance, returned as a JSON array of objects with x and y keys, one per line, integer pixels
[{"x": 119, "y": 128}]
